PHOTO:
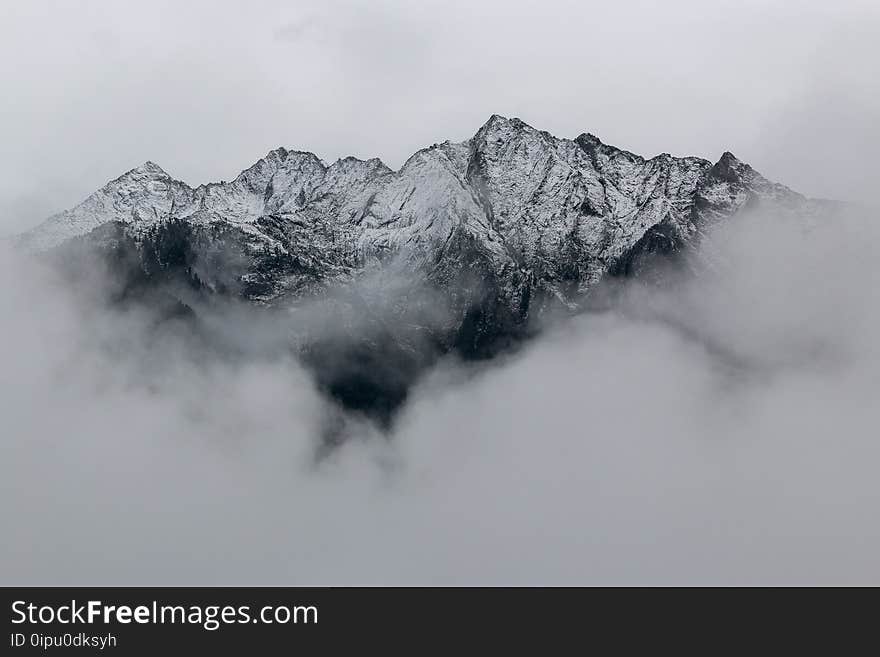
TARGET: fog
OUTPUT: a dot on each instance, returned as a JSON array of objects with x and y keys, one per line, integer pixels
[{"x": 718, "y": 430}]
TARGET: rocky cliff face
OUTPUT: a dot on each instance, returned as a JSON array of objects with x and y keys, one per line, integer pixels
[{"x": 459, "y": 250}]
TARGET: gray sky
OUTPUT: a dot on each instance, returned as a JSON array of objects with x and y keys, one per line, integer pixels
[{"x": 91, "y": 89}]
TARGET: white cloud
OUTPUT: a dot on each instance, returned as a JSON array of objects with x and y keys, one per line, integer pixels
[{"x": 721, "y": 431}]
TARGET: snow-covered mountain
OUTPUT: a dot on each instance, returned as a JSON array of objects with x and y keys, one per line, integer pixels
[
  {"x": 499, "y": 228},
  {"x": 554, "y": 209}
]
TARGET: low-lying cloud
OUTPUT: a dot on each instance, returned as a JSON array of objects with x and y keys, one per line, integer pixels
[{"x": 721, "y": 430}]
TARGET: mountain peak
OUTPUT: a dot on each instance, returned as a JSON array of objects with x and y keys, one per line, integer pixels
[
  {"x": 729, "y": 168},
  {"x": 495, "y": 119},
  {"x": 148, "y": 171},
  {"x": 150, "y": 168},
  {"x": 589, "y": 140},
  {"x": 277, "y": 154},
  {"x": 502, "y": 124}
]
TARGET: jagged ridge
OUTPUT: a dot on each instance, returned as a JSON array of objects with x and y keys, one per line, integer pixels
[
  {"x": 503, "y": 226},
  {"x": 559, "y": 210}
]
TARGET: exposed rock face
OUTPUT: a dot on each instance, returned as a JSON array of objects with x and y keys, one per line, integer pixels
[{"x": 457, "y": 250}]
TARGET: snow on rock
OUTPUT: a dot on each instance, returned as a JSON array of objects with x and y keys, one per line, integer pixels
[{"x": 528, "y": 211}]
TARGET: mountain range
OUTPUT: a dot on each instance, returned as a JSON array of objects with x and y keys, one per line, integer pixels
[{"x": 375, "y": 273}]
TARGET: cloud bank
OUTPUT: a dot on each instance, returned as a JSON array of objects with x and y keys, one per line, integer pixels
[{"x": 718, "y": 430}]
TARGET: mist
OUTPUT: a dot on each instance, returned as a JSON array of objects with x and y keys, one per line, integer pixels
[{"x": 719, "y": 429}]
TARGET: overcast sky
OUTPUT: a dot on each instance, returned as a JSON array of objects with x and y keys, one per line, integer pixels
[{"x": 92, "y": 89}]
